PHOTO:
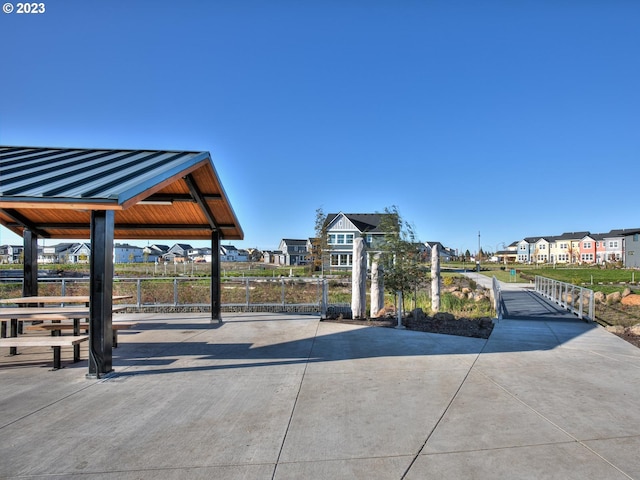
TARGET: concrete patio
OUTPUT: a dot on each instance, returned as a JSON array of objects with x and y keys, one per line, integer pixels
[{"x": 272, "y": 396}]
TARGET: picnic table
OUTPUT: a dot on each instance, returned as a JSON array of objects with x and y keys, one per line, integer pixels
[
  {"x": 44, "y": 299},
  {"x": 42, "y": 313}
]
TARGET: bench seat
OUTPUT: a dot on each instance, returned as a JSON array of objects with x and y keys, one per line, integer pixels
[
  {"x": 54, "y": 342},
  {"x": 83, "y": 326}
]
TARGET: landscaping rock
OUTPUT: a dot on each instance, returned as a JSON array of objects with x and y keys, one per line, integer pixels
[
  {"x": 444, "y": 317},
  {"x": 626, "y": 292},
  {"x": 599, "y": 297},
  {"x": 633, "y": 299},
  {"x": 614, "y": 297}
]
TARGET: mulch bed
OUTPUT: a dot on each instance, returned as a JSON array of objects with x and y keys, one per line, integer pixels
[{"x": 440, "y": 323}]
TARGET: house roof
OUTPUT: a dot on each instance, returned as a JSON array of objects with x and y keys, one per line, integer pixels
[
  {"x": 154, "y": 194},
  {"x": 365, "y": 222}
]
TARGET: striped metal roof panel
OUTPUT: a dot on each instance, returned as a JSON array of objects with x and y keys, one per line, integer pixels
[{"x": 54, "y": 179}]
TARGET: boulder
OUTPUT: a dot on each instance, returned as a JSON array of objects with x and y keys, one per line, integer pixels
[
  {"x": 633, "y": 299},
  {"x": 635, "y": 330},
  {"x": 599, "y": 297},
  {"x": 614, "y": 297},
  {"x": 444, "y": 316},
  {"x": 626, "y": 292},
  {"x": 616, "y": 329}
]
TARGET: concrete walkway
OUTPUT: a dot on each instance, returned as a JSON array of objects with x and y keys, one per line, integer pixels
[{"x": 267, "y": 396}]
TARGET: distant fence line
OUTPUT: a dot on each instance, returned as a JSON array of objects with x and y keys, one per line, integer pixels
[{"x": 238, "y": 294}]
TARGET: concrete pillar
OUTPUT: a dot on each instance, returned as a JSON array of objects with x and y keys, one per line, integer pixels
[
  {"x": 359, "y": 280},
  {"x": 435, "y": 279},
  {"x": 377, "y": 286}
]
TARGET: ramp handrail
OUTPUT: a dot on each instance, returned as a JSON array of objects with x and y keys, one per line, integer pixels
[{"x": 568, "y": 296}]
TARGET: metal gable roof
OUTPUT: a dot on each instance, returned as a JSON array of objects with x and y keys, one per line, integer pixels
[{"x": 155, "y": 194}]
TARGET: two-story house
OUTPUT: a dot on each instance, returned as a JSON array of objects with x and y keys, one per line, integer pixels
[
  {"x": 125, "y": 253},
  {"x": 153, "y": 253},
  {"x": 343, "y": 228},
  {"x": 178, "y": 253},
  {"x": 295, "y": 251},
  {"x": 632, "y": 248}
]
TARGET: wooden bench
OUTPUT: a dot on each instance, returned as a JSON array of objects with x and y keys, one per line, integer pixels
[
  {"x": 54, "y": 342},
  {"x": 58, "y": 327}
]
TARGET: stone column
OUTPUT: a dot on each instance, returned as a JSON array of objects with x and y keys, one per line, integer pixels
[
  {"x": 359, "y": 280},
  {"x": 377, "y": 286},
  {"x": 435, "y": 279}
]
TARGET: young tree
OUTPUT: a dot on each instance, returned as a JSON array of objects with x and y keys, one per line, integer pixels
[
  {"x": 319, "y": 244},
  {"x": 400, "y": 254}
]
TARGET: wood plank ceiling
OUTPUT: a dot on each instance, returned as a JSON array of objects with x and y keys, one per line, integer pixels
[{"x": 155, "y": 194}]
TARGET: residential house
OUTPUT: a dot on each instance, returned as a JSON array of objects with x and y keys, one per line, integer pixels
[
  {"x": 273, "y": 257},
  {"x": 613, "y": 246},
  {"x": 229, "y": 253},
  {"x": 445, "y": 254},
  {"x": 200, "y": 255},
  {"x": 154, "y": 253},
  {"x": 178, "y": 253},
  {"x": 631, "y": 240},
  {"x": 509, "y": 254},
  {"x": 125, "y": 253},
  {"x": 11, "y": 253},
  {"x": 601, "y": 248},
  {"x": 58, "y": 253},
  {"x": 343, "y": 228},
  {"x": 79, "y": 253},
  {"x": 295, "y": 251},
  {"x": 587, "y": 249},
  {"x": 526, "y": 249}
]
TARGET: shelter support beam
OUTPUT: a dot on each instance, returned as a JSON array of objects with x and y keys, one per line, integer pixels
[
  {"x": 101, "y": 290},
  {"x": 30, "y": 285},
  {"x": 215, "y": 278}
]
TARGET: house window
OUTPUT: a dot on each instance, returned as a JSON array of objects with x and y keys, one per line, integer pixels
[
  {"x": 332, "y": 239},
  {"x": 587, "y": 257},
  {"x": 543, "y": 247},
  {"x": 587, "y": 244},
  {"x": 341, "y": 259},
  {"x": 613, "y": 244},
  {"x": 340, "y": 238},
  {"x": 349, "y": 238},
  {"x": 636, "y": 237}
]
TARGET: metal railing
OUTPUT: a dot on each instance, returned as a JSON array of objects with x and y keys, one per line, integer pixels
[
  {"x": 571, "y": 297},
  {"x": 237, "y": 293}
]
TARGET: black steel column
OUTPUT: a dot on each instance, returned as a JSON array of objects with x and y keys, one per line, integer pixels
[
  {"x": 30, "y": 284},
  {"x": 215, "y": 277},
  {"x": 101, "y": 291}
]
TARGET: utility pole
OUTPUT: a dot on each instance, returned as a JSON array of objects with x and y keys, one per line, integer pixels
[{"x": 478, "y": 259}]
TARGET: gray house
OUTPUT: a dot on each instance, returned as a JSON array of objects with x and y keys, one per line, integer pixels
[
  {"x": 632, "y": 248},
  {"x": 294, "y": 251}
]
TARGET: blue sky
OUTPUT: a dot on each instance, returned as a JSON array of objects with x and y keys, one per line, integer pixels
[{"x": 508, "y": 118}]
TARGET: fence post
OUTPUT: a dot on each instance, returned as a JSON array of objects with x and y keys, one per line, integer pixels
[
  {"x": 139, "y": 292},
  {"x": 175, "y": 292},
  {"x": 246, "y": 284},
  {"x": 399, "y": 310},
  {"x": 63, "y": 288},
  {"x": 325, "y": 298},
  {"x": 282, "y": 281}
]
